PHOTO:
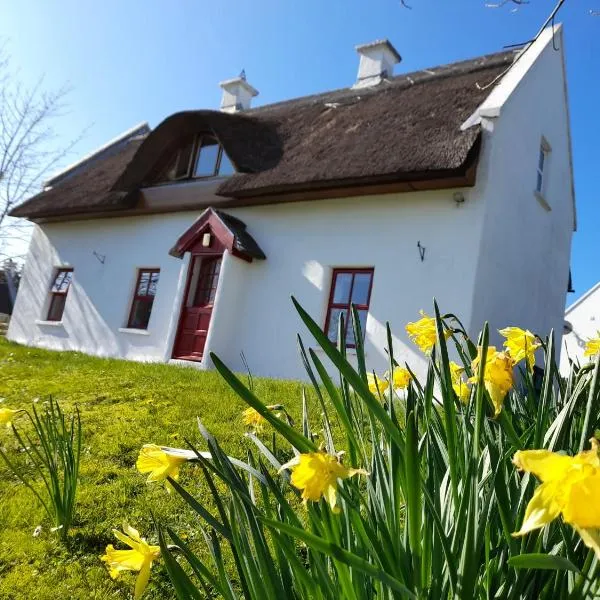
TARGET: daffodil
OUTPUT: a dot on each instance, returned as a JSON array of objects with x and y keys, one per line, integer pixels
[
  {"x": 424, "y": 332},
  {"x": 401, "y": 378},
  {"x": 520, "y": 344},
  {"x": 158, "y": 463},
  {"x": 252, "y": 418},
  {"x": 6, "y": 416},
  {"x": 459, "y": 385},
  {"x": 592, "y": 346},
  {"x": 317, "y": 475},
  {"x": 376, "y": 384},
  {"x": 570, "y": 487},
  {"x": 139, "y": 558},
  {"x": 497, "y": 376}
]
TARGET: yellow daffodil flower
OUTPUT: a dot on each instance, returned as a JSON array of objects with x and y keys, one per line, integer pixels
[
  {"x": 570, "y": 487},
  {"x": 424, "y": 332},
  {"x": 139, "y": 558},
  {"x": 376, "y": 385},
  {"x": 6, "y": 416},
  {"x": 252, "y": 418},
  {"x": 520, "y": 344},
  {"x": 317, "y": 475},
  {"x": 498, "y": 375},
  {"x": 460, "y": 387},
  {"x": 401, "y": 378},
  {"x": 159, "y": 464},
  {"x": 592, "y": 346}
]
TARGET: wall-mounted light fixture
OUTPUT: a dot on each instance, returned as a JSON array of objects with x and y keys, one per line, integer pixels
[
  {"x": 206, "y": 240},
  {"x": 458, "y": 197}
]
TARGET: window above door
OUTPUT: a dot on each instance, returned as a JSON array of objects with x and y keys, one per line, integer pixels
[{"x": 199, "y": 157}]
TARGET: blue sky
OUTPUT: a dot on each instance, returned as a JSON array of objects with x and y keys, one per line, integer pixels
[{"x": 129, "y": 61}]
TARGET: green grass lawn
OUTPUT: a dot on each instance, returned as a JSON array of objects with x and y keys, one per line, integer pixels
[{"x": 123, "y": 406}]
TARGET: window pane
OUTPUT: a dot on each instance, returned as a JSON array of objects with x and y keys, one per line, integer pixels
[
  {"x": 153, "y": 283},
  {"x": 207, "y": 158},
  {"x": 334, "y": 319},
  {"x": 341, "y": 293},
  {"x": 225, "y": 168},
  {"x": 57, "y": 307},
  {"x": 360, "y": 291},
  {"x": 183, "y": 161},
  {"x": 362, "y": 317},
  {"x": 143, "y": 281},
  {"x": 62, "y": 281},
  {"x": 140, "y": 314}
]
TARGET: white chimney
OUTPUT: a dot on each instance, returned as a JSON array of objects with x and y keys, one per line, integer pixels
[
  {"x": 237, "y": 94},
  {"x": 377, "y": 61}
]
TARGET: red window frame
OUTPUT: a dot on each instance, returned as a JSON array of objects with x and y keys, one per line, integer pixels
[
  {"x": 145, "y": 297},
  {"x": 331, "y": 305},
  {"x": 58, "y": 298}
]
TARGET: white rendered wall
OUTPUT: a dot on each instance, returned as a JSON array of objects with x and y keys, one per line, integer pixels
[
  {"x": 523, "y": 269},
  {"x": 253, "y": 313},
  {"x": 584, "y": 318}
]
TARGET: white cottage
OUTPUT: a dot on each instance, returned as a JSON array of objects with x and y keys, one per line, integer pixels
[
  {"x": 582, "y": 322},
  {"x": 453, "y": 182}
]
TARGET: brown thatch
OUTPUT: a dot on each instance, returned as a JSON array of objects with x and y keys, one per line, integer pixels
[{"x": 405, "y": 129}]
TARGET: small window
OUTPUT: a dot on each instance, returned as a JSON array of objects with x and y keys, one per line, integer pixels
[
  {"x": 348, "y": 287},
  {"x": 200, "y": 156},
  {"x": 143, "y": 299},
  {"x": 542, "y": 167},
  {"x": 58, "y": 294}
]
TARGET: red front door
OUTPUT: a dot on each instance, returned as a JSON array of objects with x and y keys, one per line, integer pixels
[{"x": 197, "y": 308}]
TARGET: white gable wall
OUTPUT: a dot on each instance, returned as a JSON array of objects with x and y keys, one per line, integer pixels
[
  {"x": 253, "y": 312},
  {"x": 523, "y": 268},
  {"x": 584, "y": 318}
]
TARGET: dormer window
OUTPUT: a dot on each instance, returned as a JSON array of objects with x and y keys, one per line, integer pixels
[{"x": 200, "y": 157}]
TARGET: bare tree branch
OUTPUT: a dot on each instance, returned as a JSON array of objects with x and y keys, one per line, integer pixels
[{"x": 28, "y": 145}]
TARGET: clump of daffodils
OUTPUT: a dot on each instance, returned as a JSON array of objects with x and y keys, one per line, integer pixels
[
  {"x": 138, "y": 558},
  {"x": 317, "y": 474},
  {"x": 570, "y": 488}
]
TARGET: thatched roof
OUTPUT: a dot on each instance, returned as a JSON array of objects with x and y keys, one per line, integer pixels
[{"x": 404, "y": 129}]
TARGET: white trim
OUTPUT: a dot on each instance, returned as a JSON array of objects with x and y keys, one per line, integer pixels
[
  {"x": 49, "y": 323},
  {"x": 584, "y": 297},
  {"x": 493, "y": 104},
  {"x": 134, "y": 331}
]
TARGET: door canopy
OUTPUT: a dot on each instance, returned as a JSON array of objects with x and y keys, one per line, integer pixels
[{"x": 215, "y": 231}]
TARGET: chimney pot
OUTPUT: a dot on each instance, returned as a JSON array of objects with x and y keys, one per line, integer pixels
[
  {"x": 237, "y": 94},
  {"x": 377, "y": 60}
]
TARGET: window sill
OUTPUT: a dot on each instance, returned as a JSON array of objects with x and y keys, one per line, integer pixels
[
  {"x": 540, "y": 198},
  {"x": 134, "y": 331},
  {"x": 49, "y": 323}
]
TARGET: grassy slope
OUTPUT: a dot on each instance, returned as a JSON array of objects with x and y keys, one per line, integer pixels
[{"x": 123, "y": 405}]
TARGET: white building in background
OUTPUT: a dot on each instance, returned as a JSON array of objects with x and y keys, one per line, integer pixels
[
  {"x": 582, "y": 322},
  {"x": 454, "y": 182}
]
